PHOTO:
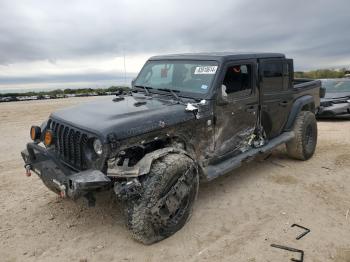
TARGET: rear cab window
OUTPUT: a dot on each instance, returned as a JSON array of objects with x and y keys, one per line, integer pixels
[{"x": 275, "y": 76}]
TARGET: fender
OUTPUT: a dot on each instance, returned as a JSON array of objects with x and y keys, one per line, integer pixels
[
  {"x": 143, "y": 167},
  {"x": 296, "y": 108}
]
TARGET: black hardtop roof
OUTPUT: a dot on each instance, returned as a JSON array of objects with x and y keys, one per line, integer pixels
[{"x": 218, "y": 56}]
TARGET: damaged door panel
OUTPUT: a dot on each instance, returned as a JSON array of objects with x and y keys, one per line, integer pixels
[{"x": 236, "y": 120}]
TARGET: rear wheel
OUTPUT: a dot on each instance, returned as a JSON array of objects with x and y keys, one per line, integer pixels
[
  {"x": 303, "y": 145},
  {"x": 166, "y": 203}
]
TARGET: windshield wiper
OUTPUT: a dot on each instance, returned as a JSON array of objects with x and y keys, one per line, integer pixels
[
  {"x": 172, "y": 92},
  {"x": 146, "y": 88}
]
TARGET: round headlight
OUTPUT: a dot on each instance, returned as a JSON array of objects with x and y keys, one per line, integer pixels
[
  {"x": 35, "y": 133},
  {"x": 98, "y": 146}
]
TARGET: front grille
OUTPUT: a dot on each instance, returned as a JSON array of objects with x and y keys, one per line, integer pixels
[{"x": 69, "y": 144}]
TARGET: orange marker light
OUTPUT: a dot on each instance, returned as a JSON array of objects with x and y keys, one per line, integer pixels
[{"x": 48, "y": 138}]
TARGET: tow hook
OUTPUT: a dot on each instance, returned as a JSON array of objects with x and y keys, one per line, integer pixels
[
  {"x": 28, "y": 170},
  {"x": 61, "y": 187},
  {"x": 91, "y": 199}
]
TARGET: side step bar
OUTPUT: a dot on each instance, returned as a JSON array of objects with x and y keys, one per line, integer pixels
[{"x": 222, "y": 168}]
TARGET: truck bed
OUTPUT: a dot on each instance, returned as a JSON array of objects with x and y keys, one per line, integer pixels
[{"x": 304, "y": 86}]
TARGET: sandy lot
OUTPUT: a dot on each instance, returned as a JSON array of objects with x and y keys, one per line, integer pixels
[{"x": 236, "y": 217}]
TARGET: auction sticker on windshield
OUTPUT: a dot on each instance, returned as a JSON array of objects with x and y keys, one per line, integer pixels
[{"x": 205, "y": 70}]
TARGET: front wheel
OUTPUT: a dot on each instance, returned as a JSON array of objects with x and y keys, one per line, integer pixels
[
  {"x": 303, "y": 145},
  {"x": 166, "y": 203}
]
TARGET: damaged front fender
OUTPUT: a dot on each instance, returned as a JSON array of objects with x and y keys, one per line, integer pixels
[{"x": 142, "y": 167}]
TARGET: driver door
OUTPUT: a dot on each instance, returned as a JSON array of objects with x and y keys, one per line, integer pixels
[{"x": 236, "y": 118}]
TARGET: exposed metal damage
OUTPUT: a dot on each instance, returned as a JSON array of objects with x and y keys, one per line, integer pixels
[{"x": 119, "y": 167}]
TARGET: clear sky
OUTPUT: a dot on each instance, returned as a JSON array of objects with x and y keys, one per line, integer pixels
[{"x": 81, "y": 43}]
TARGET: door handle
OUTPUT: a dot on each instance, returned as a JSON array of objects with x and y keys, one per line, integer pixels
[
  {"x": 250, "y": 109},
  {"x": 283, "y": 103}
]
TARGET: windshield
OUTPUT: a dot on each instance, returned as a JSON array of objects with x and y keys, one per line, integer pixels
[
  {"x": 181, "y": 76},
  {"x": 336, "y": 85}
]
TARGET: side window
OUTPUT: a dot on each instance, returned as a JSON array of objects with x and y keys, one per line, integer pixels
[
  {"x": 238, "y": 81},
  {"x": 273, "y": 74}
]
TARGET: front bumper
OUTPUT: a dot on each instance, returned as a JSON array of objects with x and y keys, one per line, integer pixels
[
  {"x": 59, "y": 178},
  {"x": 335, "y": 110}
]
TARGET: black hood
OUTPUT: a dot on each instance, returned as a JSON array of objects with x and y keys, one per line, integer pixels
[
  {"x": 126, "y": 118},
  {"x": 336, "y": 95}
]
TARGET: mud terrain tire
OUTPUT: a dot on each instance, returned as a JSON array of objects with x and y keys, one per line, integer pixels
[
  {"x": 303, "y": 145},
  {"x": 166, "y": 203}
]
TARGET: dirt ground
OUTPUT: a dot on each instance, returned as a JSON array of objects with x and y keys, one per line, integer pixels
[{"x": 236, "y": 217}]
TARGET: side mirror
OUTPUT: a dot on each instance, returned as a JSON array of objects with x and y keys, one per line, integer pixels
[
  {"x": 322, "y": 92},
  {"x": 222, "y": 98}
]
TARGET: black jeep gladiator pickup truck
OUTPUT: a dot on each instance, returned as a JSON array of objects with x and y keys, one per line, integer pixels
[{"x": 188, "y": 117}]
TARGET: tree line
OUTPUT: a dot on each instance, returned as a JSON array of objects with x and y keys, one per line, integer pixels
[
  {"x": 62, "y": 92},
  {"x": 322, "y": 73}
]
